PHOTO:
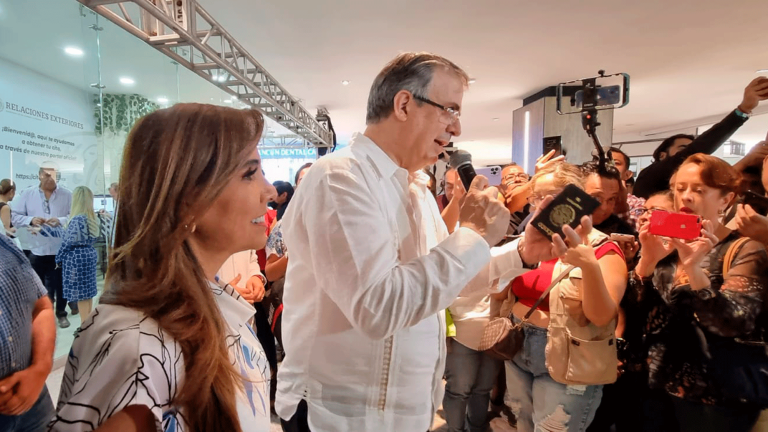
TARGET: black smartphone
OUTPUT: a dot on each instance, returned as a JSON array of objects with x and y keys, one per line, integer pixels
[
  {"x": 568, "y": 207},
  {"x": 758, "y": 202}
]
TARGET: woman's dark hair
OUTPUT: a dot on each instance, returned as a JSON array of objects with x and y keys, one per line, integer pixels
[
  {"x": 6, "y": 185},
  {"x": 667, "y": 143},
  {"x": 284, "y": 187},
  {"x": 668, "y": 194},
  {"x": 298, "y": 173},
  {"x": 715, "y": 172},
  {"x": 177, "y": 161}
]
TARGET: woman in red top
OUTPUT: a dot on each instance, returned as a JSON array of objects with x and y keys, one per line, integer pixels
[{"x": 538, "y": 401}]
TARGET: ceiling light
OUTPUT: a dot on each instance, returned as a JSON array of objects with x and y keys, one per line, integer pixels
[
  {"x": 227, "y": 100},
  {"x": 127, "y": 81},
  {"x": 345, "y": 82},
  {"x": 162, "y": 100},
  {"x": 495, "y": 119},
  {"x": 761, "y": 71},
  {"x": 221, "y": 78},
  {"x": 472, "y": 80},
  {"x": 73, "y": 51}
]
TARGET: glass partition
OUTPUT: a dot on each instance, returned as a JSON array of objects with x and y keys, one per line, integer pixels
[{"x": 70, "y": 92}]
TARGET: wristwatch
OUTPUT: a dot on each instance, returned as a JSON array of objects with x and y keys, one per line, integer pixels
[
  {"x": 526, "y": 266},
  {"x": 742, "y": 114}
]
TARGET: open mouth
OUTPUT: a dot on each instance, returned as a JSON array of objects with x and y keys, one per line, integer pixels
[{"x": 259, "y": 220}]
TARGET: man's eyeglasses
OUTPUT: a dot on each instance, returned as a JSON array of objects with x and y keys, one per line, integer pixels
[
  {"x": 515, "y": 176},
  {"x": 650, "y": 211},
  {"x": 448, "y": 116}
]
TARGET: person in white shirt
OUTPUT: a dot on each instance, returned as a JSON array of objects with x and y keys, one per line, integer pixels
[
  {"x": 168, "y": 348},
  {"x": 242, "y": 272},
  {"x": 372, "y": 266},
  {"x": 45, "y": 207}
]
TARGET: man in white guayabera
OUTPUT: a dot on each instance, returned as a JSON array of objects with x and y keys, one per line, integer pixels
[{"x": 372, "y": 265}]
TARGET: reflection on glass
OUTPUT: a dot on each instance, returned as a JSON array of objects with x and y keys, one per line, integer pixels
[{"x": 70, "y": 96}]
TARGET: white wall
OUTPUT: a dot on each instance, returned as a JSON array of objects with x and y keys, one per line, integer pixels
[{"x": 60, "y": 118}]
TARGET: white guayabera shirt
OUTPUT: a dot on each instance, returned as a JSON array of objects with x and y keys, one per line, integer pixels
[
  {"x": 372, "y": 268},
  {"x": 120, "y": 358}
]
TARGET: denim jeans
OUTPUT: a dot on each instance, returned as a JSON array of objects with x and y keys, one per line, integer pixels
[
  {"x": 539, "y": 402},
  {"x": 469, "y": 378},
  {"x": 34, "y": 420}
]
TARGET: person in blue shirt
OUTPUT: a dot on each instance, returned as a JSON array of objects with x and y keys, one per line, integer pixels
[
  {"x": 27, "y": 340},
  {"x": 77, "y": 256}
]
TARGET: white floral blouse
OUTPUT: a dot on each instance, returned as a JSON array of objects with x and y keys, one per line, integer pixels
[{"x": 120, "y": 357}]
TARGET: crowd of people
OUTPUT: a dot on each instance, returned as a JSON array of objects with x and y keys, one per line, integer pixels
[{"x": 379, "y": 316}]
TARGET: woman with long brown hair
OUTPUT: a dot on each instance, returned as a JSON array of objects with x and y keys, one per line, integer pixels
[{"x": 168, "y": 348}]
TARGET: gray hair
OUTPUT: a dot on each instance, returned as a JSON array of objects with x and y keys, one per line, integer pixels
[{"x": 408, "y": 71}]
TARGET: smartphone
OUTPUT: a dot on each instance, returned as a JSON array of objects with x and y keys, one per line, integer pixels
[
  {"x": 493, "y": 173},
  {"x": 675, "y": 225},
  {"x": 600, "y": 92},
  {"x": 758, "y": 202},
  {"x": 568, "y": 207}
]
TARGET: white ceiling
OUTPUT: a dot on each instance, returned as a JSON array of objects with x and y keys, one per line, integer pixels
[
  {"x": 689, "y": 59},
  {"x": 60, "y": 24}
]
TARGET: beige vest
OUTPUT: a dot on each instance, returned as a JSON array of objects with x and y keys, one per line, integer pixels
[{"x": 578, "y": 352}]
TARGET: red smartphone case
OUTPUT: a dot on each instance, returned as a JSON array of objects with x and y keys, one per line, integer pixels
[{"x": 675, "y": 225}]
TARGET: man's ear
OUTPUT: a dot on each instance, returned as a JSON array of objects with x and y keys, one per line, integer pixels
[
  {"x": 401, "y": 104},
  {"x": 628, "y": 174}
]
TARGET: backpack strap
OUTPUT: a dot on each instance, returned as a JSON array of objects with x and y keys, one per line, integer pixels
[{"x": 730, "y": 254}]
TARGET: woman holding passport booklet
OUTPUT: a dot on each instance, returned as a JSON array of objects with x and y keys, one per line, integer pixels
[
  {"x": 555, "y": 381},
  {"x": 706, "y": 296}
]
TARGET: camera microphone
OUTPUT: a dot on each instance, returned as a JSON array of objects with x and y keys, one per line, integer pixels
[{"x": 461, "y": 161}]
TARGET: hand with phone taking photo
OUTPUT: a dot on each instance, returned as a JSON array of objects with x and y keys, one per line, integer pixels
[
  {"x": 692, "y": 252},
  {"x": 653, "y": 249},
  {"x": 751, "y": 224}
]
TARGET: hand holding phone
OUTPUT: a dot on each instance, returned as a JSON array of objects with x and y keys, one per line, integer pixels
[
  {"x": 758, "y": 202},
  {"x": 675, "y": 225},
  {"x": 751, "y": 224},
  {"x": 691, "y": 253}
]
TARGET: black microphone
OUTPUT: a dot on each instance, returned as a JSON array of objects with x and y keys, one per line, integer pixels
[{"x": 461, "y": 161}]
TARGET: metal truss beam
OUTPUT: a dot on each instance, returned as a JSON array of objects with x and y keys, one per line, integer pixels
[{"x": 212, "y": 53}]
